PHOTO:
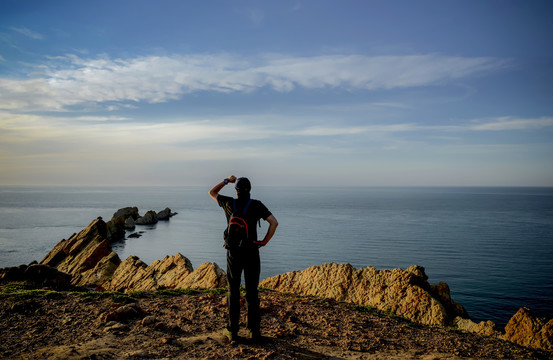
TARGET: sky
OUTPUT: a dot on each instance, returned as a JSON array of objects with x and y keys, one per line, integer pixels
[{"x": 310, "y": 93}]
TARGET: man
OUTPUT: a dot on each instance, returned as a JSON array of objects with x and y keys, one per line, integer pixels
[{"x": 245, "y": 255}]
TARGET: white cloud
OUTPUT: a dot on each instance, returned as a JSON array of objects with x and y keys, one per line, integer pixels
[
  {"x": 29, "y": 33},
  {"x": 73, "y": 80},
  {"x": 509, "y": 123}
]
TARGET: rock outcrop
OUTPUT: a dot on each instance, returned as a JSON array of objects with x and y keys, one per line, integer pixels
[
  {"x": 116, "y": 229},
  {"x": 86, "y": 256},
  {"x": 36, "y": 275},
  {"x": 171, "y": 272},
  {"x": 527, "y": 329},
  {"x": 126, "y": 212},
  {"x": 403, "y": 292},
  {"x": 484, "y": 328},
  {"x": 165, "y": 214},
  {"x": 88, "y": 259},
  {"x": 149, "y": 218}
]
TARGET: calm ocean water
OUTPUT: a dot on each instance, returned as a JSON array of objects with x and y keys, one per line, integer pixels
[{"x": 493, "y": 246}]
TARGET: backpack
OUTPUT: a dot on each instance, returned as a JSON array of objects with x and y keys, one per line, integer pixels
[{"x": 237, "y": 231}]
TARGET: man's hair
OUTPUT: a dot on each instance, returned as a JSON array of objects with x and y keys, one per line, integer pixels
[{"x": 243, "y": 185}]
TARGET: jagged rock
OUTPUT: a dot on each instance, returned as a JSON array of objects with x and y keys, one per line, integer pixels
[
  {"x": 165, "y": 214},
  {"x": 133, "y": 274},
  {"x": 82, "y": 252},
  {"x": 527, "y": 329},
  {"x": 148, "y": 219},
  {"x": 207, "y": 276},
  {"x": 99, "y": 276},
  {"x": 404, "y": 292},
  {"x": 441, "y": 292},
  {"x": 485, "y": 328},
  {"x": 130, "y": 224},
  {"x": 171, "y": 272},
  {"x": 116, "y": 229},
  {"x": 37, "y": 275},
  {"x": 127, "y": 212}
]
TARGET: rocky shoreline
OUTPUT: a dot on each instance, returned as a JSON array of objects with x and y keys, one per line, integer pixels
[{"x": 86, "y": 261}]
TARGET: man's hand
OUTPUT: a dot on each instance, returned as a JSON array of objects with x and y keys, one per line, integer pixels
[{"x": 214, "y": 192}]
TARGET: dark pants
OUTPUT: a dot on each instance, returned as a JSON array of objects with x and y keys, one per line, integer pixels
[{"x": 245, "y": 259}]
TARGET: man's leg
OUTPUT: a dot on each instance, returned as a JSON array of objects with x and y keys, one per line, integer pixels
[
  {"x": 251, "y": 274},
  {"x": 234, "y": 273}
]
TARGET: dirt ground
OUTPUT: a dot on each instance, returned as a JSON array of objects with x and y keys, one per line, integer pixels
[{"x": 50, "y": 325}]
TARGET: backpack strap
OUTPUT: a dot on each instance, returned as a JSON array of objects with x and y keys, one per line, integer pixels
[{"x": 234, "y": 211}]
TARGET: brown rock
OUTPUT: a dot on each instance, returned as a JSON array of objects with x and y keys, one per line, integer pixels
[
  {"x": 486, "y": 328},
  {"x": 207, "y": 276},
  {"x": 527, "y": 329},
  {"x": 37, "y": 275},
  {"x": 127, "y": 212},
  {"x": 133, "y": 274},
  {"x": 116, "y": 229},
  {"x": 404, "y": 292},
  {"x": 95, "y": 232},
  {"x": 148, "y": 219},
  {"x": 101, "y": 274},
  {"x": 165, "y": 214},
  {"x": 125, "y": 312},
  {"x": 82, "y": 253}
]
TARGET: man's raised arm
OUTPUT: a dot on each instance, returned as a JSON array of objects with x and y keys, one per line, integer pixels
[{"x": 214, "y": 192}]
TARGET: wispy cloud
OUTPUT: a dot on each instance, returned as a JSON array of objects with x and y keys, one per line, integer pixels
[
  {"x": 510, "y": 123},
  {"x": 72, "y": 80},
  {"x": 28, "y": 33}
]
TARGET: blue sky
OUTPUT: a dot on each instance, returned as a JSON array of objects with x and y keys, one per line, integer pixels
[{"x": 348, "y": 93}]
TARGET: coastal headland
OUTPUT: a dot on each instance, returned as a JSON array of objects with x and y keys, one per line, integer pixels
[{"x": 81, "y": 301}]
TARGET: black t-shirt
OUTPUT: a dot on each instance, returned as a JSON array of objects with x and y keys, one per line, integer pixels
[{"x": 256, "y": 211}]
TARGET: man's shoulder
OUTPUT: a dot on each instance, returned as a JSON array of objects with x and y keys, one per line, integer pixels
[{"x": 222, "y": 199}]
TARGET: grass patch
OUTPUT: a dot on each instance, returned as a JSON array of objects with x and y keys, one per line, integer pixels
[
  {"x": 371, "y": 310},
  {"x": 14, "y": 288},
  {"x": 25, "y": 291}
]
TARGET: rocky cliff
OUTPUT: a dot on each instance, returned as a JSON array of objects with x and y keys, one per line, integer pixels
[{"x": 403, "y": 292}]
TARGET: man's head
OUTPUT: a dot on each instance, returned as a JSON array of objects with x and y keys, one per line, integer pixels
[{"x": 243, "y": 186}]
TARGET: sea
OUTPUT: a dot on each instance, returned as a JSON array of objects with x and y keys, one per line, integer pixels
[{"x": 493, "y": 246}]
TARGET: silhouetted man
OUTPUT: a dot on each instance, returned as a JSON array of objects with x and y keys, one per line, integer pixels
[{"x": 243, "y": 254}]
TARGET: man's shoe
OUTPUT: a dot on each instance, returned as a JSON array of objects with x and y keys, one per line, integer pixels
[
  {"x": 231, "y": 336},
  {"x": 255, "y": 336}
]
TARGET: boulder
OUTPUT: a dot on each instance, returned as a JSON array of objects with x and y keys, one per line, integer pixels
[
  {"x": 149, "y": 218},
  {"x": 527, "y": 329},
  {"x": 37, "y": 275},
  {"x": 127, "y": 212},
  {"x": 130, "y": 224},
  {"x": 165, "y": 214},
  {"x": 116, "y": 229},
  {"x": 485, "y": 328},
  {"x": 125, "y": 313},
  {"x": 404, "y": 292}
]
